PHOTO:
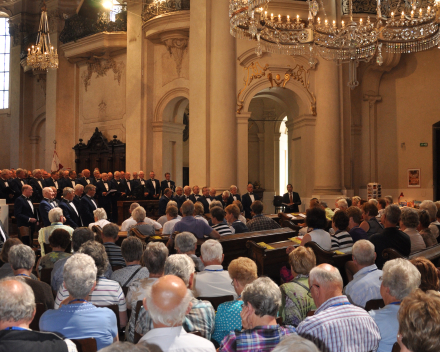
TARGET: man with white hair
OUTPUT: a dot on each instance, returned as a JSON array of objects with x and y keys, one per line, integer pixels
[
  {"x": 234, "y": 195},
  {"x": 100, "y": 217},
  {"x": 184, "y": 197},
  {"x": 201, "y": 317},
  {"x": 261, "y": 303},
  {"x": 71, "y": 213},
  {"x": 17, "y": 310},
  {"x": 225, "y": 199},
  {"x": 77, "y": 318},
  {"x": 56, "y": 221},
  {"x": 400, "y": 278},
  {"x": 341, "y": 204},
  {"x": 338, "y": 325},
  {"x": 366, "y": 282},
  {"x": 213, "y": 281},
  {"x": 46, "y": 205},
  {"x": 131, "y": 222},
  {"x": 168, "y": 302},
  {"x": 195, "y": 196},
  {"x": 78, "y": 193}
]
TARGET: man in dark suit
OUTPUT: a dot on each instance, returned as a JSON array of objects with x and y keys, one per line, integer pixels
[
  {"x": 226, "y": 199},
  {"x": 184, "y": 197},
  {"x": 46, "y": 205},
  {"x": 3, "y": 234},
  {"x": 118, "y": 184},
  {"x": 211, "y": 195},
  {"x": 26, "y": 215},
  {"x": 88, "y": 205},
  {"x": 167, "y": 183},
  {"x": 247, "y": 199},
  {"x": 6, "y": 191},
  {"x": 96, "y": 177},
  {"x": 194, "y": 197},
  {"x": 37, "y": 183},
  {"x": 53, "y": 182},
  {"x": 163, "y": 201},
  {"x": 153, "y": 187},
  {"x": 85, "y": 180},
  {"x": 104, "y": 198},
  {"x": 71, "y": 213},
  {"x": 292, "y": 199},
  {"x": 128, "y": 185},
  {"x": 79, "y": 192},
  {"x": 17, "y": 183},
  {"x": 70, "y": 181},
  {"x": 234, "y": 195},
  {"x": 139, "y": 186},
  {"x": 203, "y": 199}
]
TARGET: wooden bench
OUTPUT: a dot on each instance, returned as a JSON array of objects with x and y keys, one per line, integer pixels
[
  {"x": 150, "y": 206},
  {"x": 431, "y": 253}
]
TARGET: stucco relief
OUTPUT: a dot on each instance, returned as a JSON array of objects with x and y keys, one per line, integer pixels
[
  {"x": 175, "y": 62},
  {"x": 108, "y": 130}
]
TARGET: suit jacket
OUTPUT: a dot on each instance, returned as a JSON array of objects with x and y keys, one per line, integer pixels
[
  {"x": 229, "y": 201},
  {"x": 50, "y": 183},
  {"x": 128, "y": 190},
  {"x": 83, "y": 181},
  {"x": 86, "y": 210},
  {"x": 104, "y": 201},
  {"x": 5, "y": 191},
  {"x": 182, "y": 199},
  {"x": 23, "y": 212},
  {"x": 77, "y": 202},
  {"x": 37, "y": 196},
  {"x": 296, "y": 199},
  {"x": 138, "y": 189},
  {"x": 205, "y": 203},
  {"x": 163, "y": 201},
  {"x": 193, "y": 199},
  {"x": 72, "y": 218},
  {"x": 236, "y": 196},
  {"x": 164, "y": 185},
  {"x": 151, "y": 189},
  {"x": 247, "y": 201},
  {"x": 67, "y": 182},
  {"x": 44, "y": 209},
  {"x": 2, "y": 241},
  {"x": 16, "y": 185}
]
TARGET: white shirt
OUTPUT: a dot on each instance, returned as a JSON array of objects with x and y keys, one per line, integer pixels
[
  {"x": 252, "y": 197},
  {"x": 3, "y": 234},
  {"x": 154, "y": 183},
  {"x": 142, "y": 181},
  {"x": 213, "y": 282},
  {"x": 209, "y": 200},
  {"x": 41, "y": 185},
  {"x": 30, "y": 203},
  {"x": 131, "y": 222},
  {"x": 55, "y": 183},
  {"x": 93, "y": 201},
  {"x": 175, "y": 339},
  {"x": 129, "y": 185},
  {"x": 100, "y": 223},
  {"x": 168, "y": 227},
  {"x": 74, "y": 208}
]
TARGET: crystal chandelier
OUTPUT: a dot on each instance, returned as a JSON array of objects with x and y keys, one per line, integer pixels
[{"x": 42, "y": 56}]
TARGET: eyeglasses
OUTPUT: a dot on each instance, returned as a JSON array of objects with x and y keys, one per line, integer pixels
[
  {"x": 309, "y": 292},
  {"x": 232, "y": 283}
]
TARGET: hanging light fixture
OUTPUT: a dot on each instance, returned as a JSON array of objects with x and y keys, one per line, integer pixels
[{"x": 43, "y": 56}]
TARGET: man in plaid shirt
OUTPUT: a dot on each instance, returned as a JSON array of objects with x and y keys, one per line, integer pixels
[
  {"x": 337, "y": 325},
  {"x": 260, "y": 222},
  {"x": 201, "y": 316},
  {"x": 261, "y": 303}
]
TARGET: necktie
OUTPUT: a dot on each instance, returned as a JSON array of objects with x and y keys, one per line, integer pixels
[{"x": 291, "y": 198}]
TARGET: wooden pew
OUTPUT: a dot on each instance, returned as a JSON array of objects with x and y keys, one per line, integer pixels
[
  {"x": 431, "y": 253},
  {"x": 151, "y": 207}
]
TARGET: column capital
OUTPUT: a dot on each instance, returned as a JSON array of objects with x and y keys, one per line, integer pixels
[{"x": 243, "y": 118}]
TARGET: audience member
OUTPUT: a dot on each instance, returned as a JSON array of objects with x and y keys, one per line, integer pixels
[
  {"x": 219, "y": 223},
  {"x": 186, "y": 243},
  {"x": 341, "y": 204},
  {"x": 431, "y": 208},
  {"x": 168, "y": 301},
  {"x": 337, "y": 325},
  {"x": 232, "y": 215},
  {"x": 295, "y": 343},
  {"x": 261, "y": 303},
  {"x": 22, "y": 260},
  {"x": 173, "y": 218},
  {"x": 199, "y": 211},
  {"x": 316, "y": 220},
  {"x": 296, "y": 302},
  {"x": 419, "y": 322},
  {"x": 381, "y": 205},
  {"x": 354, "y": 219},
  {"x": 163, "y": 219},
  {"x": 370, "y": 224},
  {"x": 356, "y": 201},
  {"x": 56, "y": 219},
  {"x": 131, "y": 250},
  {"x": 130, "y": 221},
  {"x": 259, "y": 221},
  {"x": 328, "y": 212},
  {"x": 6, "y": 268},
  {"x": 399, "y": 279},
  {"x": 77, "y": 318},
  {"x": 240, "y": 206},
  {"x": 59, "y": 240},
  {"x": 139, "y": 214},
  {"x": 109, "y": 237},
  {"x": 242, "y": 271},
  {"x": 428, "y": 272},
  {"x": 80, "y": 235},
  {"x": 425, "y": 230},
  {"x": 365, "y": 284},
  {"x": 17, "y": 310},
  {"x": 100, "y": 217},
  {"x": 106, "y": 292},
  {"x": 213, "y": 281},
  {"x": 409, "y": 220},
  {"x": 391, "y": 236},
  {"x": 341, "y": 238}
]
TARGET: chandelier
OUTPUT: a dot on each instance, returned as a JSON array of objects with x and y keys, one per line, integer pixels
[
  {"x": 416, "y": 29},
  {"x": 42, "y": 56}
]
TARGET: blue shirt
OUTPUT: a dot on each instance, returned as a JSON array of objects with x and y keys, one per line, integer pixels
[
  {"x": 83, "y": 320},
  {"x": 196, "y": 226},
  {"x": 386, "y": 320},
  {"x": 227, "y": 319},
  {"x": 365, "y": 286}
]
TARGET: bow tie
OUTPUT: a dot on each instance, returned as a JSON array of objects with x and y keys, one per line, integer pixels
[
  {"x": 251, "y": 194},
  {"x": 27, "y": 198}
]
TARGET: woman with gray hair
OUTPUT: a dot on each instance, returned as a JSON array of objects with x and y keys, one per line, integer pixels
[
  {"x": 399, "y": 279},
  {"x": 139, "y": 215},
  {"x": 409, "y": 220},
  {"x": 100, "y": 218},
  {"x": 186, "y": 243},
  {"x": 107, "y": 292},
  {"x": 77, "y": 318},
  {"x": 295, "y": 343},
  {"x": 261, "y": 303}
]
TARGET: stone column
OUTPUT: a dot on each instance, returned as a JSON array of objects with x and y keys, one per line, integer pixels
[
  {"x": 261, "y": 156},
  {"x": 223, "y": 133},
  {"x": 242, "y": 150},
  {"x": 34, "y": 144},
  {"x": 371, "y": 164},
  {"x": 276, "y": 162},
  {"x": 328, "y": 140}
]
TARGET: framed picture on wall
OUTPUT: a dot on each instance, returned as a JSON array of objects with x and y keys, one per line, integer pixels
[{"x": 413, "y": 177}]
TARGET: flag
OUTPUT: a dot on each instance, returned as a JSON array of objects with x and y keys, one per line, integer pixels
[{"x": 56, "y": 165}]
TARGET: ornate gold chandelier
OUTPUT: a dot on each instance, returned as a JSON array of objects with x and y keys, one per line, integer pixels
[
  {"x": 42, "y": 56},
  {"x": 415, "y": 29}
]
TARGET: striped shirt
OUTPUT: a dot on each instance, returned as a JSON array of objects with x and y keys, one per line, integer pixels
[
  {"x": 339, "y": 326},
  {"x": 365, "y": 286},
  {"x": 223, "y": 229},
  {"x": 114, "y": 254},
  {"x": 341, "y": 239},
  {"x": 107, "y": 292}
]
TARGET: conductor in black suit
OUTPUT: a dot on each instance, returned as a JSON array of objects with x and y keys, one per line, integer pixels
[
  {"x": 292, "y": 199},
  {"x": 25, "y": 214},
  {"x": 163, "y": 201},
  {"x": 167, "y": 183},
  {"x": 153, "y": 187},
  {"x": 71, "y": 213},
  {"x": 88, "y": 205},
  {"x": 247, "y": 199}
]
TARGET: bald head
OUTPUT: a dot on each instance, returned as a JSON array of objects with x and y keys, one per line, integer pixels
[
  {"x": 168, "y": 301},
  {"x": 325, "y": 283}
]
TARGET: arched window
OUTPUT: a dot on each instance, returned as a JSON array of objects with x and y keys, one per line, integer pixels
[{"x": 5, "y": 49}]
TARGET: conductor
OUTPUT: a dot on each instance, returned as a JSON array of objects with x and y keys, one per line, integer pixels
[{"x": 291, "y": 200}]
